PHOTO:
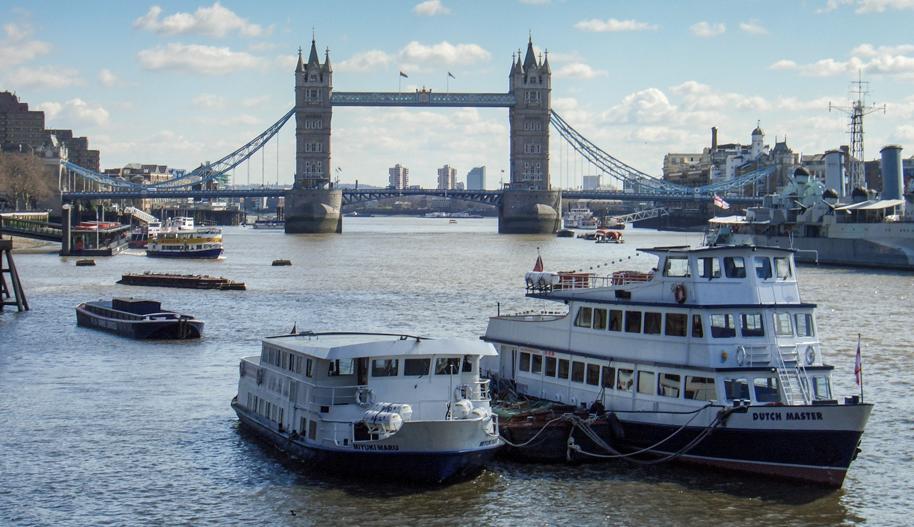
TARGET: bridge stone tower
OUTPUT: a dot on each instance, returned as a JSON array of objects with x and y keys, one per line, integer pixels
[
  {"x": 529, "y": 205},
  {"x": 313, "y": 206}
]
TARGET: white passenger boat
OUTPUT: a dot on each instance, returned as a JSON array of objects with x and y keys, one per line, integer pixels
[
  {"x": 713, "y": 359},
  {"x": 580, "y": 218},
  {"x": 181, "y": 239},
  {"x": 393, "y": 406}
]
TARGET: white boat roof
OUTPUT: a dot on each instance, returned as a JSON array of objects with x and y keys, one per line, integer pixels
[
  {"x": 680, "y": 250},
  {"x": 729, "y": 220},
  {"x": 873, "y": 204},
  {"x": 333, "y": 346}
]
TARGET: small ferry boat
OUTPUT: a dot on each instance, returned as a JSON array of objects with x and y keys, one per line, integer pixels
[
  {"x": 181, "y": 239},
  {"x": 270, "y": 224},
  {"x": 580, "y": 218},
  {"x": 711, "y": 358},
  {"x": 372, "y": 405},
  {"x": 137, "y": 318}
]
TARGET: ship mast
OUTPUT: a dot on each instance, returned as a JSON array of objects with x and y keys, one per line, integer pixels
[{"x": 858, "y": 108}]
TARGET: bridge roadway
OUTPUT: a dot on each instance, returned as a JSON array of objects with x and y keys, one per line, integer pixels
[{"x": 491, "y": 197}]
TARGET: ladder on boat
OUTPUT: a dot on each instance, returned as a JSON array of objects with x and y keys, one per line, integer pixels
[
  {"x": 13, "y": 287},
  {"x": 140, "y": 215},
  {"x": 792, "y": 376}
]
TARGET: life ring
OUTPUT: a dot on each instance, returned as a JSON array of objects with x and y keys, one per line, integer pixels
[
  {"x": 740, "y": 355},
  {"x": 679, "y": 292},
  {"x": 363, "y": 396},
  {"x": 810, "y": 355}
]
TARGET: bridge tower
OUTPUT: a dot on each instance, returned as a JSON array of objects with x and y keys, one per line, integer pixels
[
  {"x": 313, "y": 205},
  {"x": 528, "y": 204}
]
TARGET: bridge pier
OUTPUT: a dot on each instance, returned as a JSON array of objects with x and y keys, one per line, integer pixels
[
  {"x": 530, "y": 212},
  {"x": 314, "y": 211},
  {"x": 66, "y": 230}
]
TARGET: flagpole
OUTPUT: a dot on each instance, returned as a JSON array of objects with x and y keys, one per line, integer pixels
[{"x": 860, "y": 355}]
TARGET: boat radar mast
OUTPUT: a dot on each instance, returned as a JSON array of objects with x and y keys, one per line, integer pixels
[{"x": 856, "y": 111}]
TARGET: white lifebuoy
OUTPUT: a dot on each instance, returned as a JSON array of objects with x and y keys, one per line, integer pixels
[
  {"x": 740, "y": 355},
  {"x": 810, "y": 355},
  {"x": 363, "y": 396},
  {"x": 679, "y": 292}
]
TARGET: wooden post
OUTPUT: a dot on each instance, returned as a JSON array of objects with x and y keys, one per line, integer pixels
[{"x": 18, "y": 295}]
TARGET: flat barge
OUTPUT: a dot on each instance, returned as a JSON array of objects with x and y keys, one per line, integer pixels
[
  {"x": 187, "y": 281},
  {"x": 138, "y": 319}
]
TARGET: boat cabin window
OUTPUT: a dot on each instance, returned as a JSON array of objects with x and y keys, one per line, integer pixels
[
  {"x": 523, "y": 364},
  {"x": 585, "y": 315},
  {"x": 676, "y": 266},
  {"x": 609, "y": 374},
  {"x": 593, "y": 374},
  {"x": 669, "y": 385},
  {"x": 697, "y": 331},
  {"x": 752, "y": 325},
  {"x": 448, "y": 365},
  {"x": 633, "y": 322},
  {"x": 536, "y": 363},
  {"x": 646, "y": 380},
  {"x": 550, "y": 366},
  {"x": 820, "y": 388},
  {"x": 385, "y": 367},
  {"x": 563, "y": 368},
  {"x": 599, "y": 319},
  {"x": 722, "y": 325},
  {"x": 676, "y": 324},
  {"x": 467, "y": 364},
  {"x": 735, "y": 266},
  {"x": 782, "y": 267},
  {"x": 763, "y": 267},
  {"x": 700, "y": 388},
  {"x": 625, "y": 380},
  {"x": 312, "y": 430},
  {"x": 766, "y": 390},
  {"x": 652, "y": 323},
  {"x": 709, "y": 267},
  {"x": 804, "y": 325},
  {"x": 615, "y": 320},
  {"x": 577, "y": 371},
  {"x": 340, "y": 367},
  {"x": 416, "y": 367},
  {"x": 782, "y": 325},
  {"x": 736, "y": 389}
]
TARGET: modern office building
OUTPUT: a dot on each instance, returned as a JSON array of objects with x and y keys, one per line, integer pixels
[
  {"x": 398, "y": 176},
  {"x": 476, "y": 178}
]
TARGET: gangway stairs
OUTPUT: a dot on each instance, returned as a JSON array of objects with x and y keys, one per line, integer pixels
[
  {"x": 645, "y": 214},
  {"x": 145, "y": 217},
  {"x": 792, "y": 376}
]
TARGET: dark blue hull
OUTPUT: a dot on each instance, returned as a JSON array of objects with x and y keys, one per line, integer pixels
[
  {"x": 142, "y": 330},
  {"x": 201, "y": 254},
  {"x": 416, "y": 467}
]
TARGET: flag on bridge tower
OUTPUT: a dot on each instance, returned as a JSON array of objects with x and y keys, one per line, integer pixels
[{"x": 719, "y": 202}]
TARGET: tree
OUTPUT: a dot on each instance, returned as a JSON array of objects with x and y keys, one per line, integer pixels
[{"x": 24, "y": 180}]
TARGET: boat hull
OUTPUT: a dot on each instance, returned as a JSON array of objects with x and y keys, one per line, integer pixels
[
  {"x": 142, "y": 329},
  {"x": 199, "y": 254},
  {"x": 415, "y": 466}
]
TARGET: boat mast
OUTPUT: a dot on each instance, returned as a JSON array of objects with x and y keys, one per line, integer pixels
[{"x": 856, "y": 111}]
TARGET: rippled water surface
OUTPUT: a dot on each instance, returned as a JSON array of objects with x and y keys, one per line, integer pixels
[{"x": 100, "y": 430}]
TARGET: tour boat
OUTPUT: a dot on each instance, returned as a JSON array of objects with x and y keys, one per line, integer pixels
[
  {"x": 139, "y": 236},
  {"x": 374, "y": 405},
  {"x": 609, "y": 236},
  {"x": 139, "y": 319},
  {"x": 580, "y": 218},
  {"x": 711, "y": 358},
  {"x": 181, "y": 239}
]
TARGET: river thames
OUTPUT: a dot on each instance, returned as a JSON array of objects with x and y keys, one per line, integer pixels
[{"x": 100, "y": 430}]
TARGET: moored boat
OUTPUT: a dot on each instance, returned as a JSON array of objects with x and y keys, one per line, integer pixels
[
  {"x": 188, "y": 281},
  {"x": 137, "y": 318},
  {"x": 181, "y": 239}
]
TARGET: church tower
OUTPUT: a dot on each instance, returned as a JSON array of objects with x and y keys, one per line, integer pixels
[
  {"x": 531, "y": 83},
  {"x": 313, "y": 112}
]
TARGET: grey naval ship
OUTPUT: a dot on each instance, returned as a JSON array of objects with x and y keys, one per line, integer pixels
[{"x": 825, "y": 225}]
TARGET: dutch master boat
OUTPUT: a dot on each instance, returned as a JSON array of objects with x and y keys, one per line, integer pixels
[
  {"x": 137, "y": 318},
  {"x": 181, "y": 239},
  {"x": 713, "y": 359},
  {"x": 373, "y": 405}
]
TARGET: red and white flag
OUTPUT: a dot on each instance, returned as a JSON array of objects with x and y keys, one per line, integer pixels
[
  {"x": 719, "y": 202},
  {"x": 538, "y": 266},
  {"x": 858, "y": 365}
]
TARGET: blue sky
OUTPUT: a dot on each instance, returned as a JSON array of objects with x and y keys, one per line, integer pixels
[{"x": 179, "y": 83}]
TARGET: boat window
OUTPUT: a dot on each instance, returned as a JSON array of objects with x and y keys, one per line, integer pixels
[
  {"x": 669, "y": 385},
  {"x": 563, "y": 368},
  {"x": 416, "y": 367},
  {"x": 309, "y": 367},
  {"x": 820, "y": 388},
  {"x": 624, "y": 380},
  {"x": 646, "y": 382},
  {"x": 722, "y": 325},
  {"x": 752, "y": 325},
  {"x": 384, "y": 367},
  {"x": 804, "y": 325},
  {"x": 467, "y": 364},
  {"x": 599, "y": 319},
  {"x": 585, "y": 314},
  {"x": 577, "y": 371},
  {"x": 735, "y": 266},
  {"x": 736, "y": 389},
  {"x": 593, "y": 374},
  {"x": 615, "y": 320},
  {"x": 782, "y": 324},
  {"x": 766, "y": 390},
  {"x": 609, "y": 374},
  {"x": 676, "y": 324},
  {"x": 312, "y": 430},
  {"x": 709, "y": 267},
  {"x": 763, "y": 267},
  {"x": 676, "y": 266},
  {"x": 633, "y": 321},
  {"x": 550, "y": 366},
  {"x": 536, "y": 364},
  {"x": 524, "y": 362},
  {"x": 340, "y": 367},
  {"x": 699, "y": 388},
  {"x": 697, "y": 331},
  {"x": 447, "y": 365},
  {"x": 782, "y": 267},
  {"x": 652, "y": 323}
]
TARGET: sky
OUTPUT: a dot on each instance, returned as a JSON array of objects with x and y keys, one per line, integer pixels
[{"x": 180, "y": 83}]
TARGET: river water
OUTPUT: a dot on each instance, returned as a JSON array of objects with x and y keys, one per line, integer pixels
[{"x": 100, "y": 430}]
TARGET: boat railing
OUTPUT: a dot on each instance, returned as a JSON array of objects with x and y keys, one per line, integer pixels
[
  {"x": 757, "y": 355},
  {"x": 475, "y": 391},
  {"x": 545, "y": 282},
  {"x": 334, "y": 395}
]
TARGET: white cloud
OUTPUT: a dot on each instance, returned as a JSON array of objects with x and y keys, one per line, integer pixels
[
  {"x": 213, "y": 21},
  {"x": 579, "y": 70},
  {"x": 365, "y": 61},
  {"x": 535, "y": 2},
  {"x": 865, "y": 7},
  {"x": 44, "y": 77},
  {"x": 783, "y": 64},
  {"x": 431, "y": 8},
  {"x": 252, "y": 102},
  {"x": 444, "y": 52},
  {"x": 73, "y": 113},
  {"x": 208, "y": 100},
  {"x": 612, "y": 25},
  {"x": 702, "y": 98},
  {"x": 106, "y": 77},
  {"x": 753, "y": 28},
  {"x": 15, "y": 48},
  {"x": 196, "y": 58},
  {"x": 707, "y": 30},
  {"x": 650, "y": 105}
]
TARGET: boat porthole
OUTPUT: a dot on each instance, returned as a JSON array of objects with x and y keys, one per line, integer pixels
[
  {"x": 810, "y": 355},
  {"x": 740, "y": 355}
]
